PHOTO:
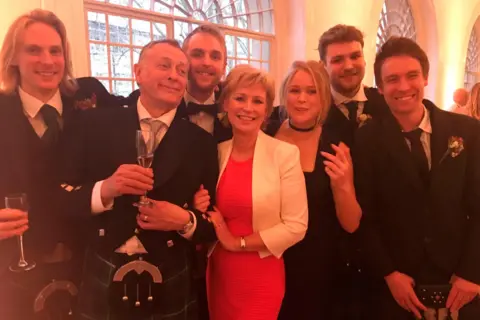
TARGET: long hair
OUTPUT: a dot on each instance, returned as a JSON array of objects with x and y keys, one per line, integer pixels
[
  {"x": 9, "y": 72},
  {"x": 473, "y": 100}
]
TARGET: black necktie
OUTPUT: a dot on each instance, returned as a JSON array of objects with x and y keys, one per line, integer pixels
[
  {"x": 195, "y": 108},
  {"x": 50, "y": 116},
  {"x": 418, "y": 153},
  {"x": 352, "y": 107}
]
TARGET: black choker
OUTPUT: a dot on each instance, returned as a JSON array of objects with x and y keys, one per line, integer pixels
[{"x": 300, "y": 129}]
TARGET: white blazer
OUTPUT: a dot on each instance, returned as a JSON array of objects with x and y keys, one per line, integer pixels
[{"x": 279, "y": 196}]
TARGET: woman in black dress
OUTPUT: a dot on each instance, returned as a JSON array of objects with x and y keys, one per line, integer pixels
[{"x": 312, "y": 266}]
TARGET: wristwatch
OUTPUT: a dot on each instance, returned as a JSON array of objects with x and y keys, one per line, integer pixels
[{"x": 186, "y": 228}]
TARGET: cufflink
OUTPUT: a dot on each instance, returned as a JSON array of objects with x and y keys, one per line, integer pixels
[
  {"x": 170, "y": 243},
  {"x": 101, "y": 232}
]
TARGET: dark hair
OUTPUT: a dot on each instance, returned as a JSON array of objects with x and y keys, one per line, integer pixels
[
  {"x": 399, "y": 46},
  {"x": 338, "y": 34},
  {"x": 172, "y": 42},
  {"x": 208, "y": 29}
]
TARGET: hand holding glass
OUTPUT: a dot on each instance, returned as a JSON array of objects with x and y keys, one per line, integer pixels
[
  {"x": 19, "y": 202},
  {"x": 145, "y": 140}
]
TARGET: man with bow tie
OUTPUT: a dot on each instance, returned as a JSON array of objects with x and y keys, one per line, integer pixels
[
  {"x": 161, "y": 235},
  {"x": 418, "y": 183}
]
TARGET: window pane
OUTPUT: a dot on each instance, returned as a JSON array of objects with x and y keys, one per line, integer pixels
[
  {"x": 230, "y": 65},
  {"x": 136, "y": 54},
  {"x": 266, "y": 66},
  {"x": 106, "y": 84},
  {"x": 255, "y": 22},
  {"x": 180, "y": 30},
  {"x": 265, "y": 50},
  {"x": 98, "y": 60},
  {"x": 242, "y": 47},
  {"x": 267, "y": 22},
  {"x": 142, "y": 4},
  {"x": 255, "y": 64},
  {"x": 161, "y": 8},
  {"x": 119, "y": 2},
  {"x": 230, "y": 42},
  {"x": 140, "y": 32},
  {"x": 159, "y": 31},
  {"x": 121, "y": 64},
  {"x": 242, "y": 62},
  {"x": 97, "y": 28},
  {"x": 255, "y": 49},
  {"x": 242, "y": 22},
  {"x": 119, "y": 29},
  {"x": 122, "y": 88}
]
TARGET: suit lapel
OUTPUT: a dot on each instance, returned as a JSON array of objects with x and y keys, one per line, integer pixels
[
  {"x": 393, "y": 140},
  {"x": 224, "y": 152},
  {"x": 170, "y": 151}
]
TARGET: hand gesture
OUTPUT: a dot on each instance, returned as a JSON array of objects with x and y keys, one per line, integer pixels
[
  {"x": 128, "y": 179},
  {"x": 201, "y": 199},
  {"x": 12, "y": 223},
  {"x": 339, "y": 167},
  {"x": 227, "y": 240},
  {"x": 162, "y": 216},
  {"x": 462, "y": 293},
  {"x": 401, "y": 287}
]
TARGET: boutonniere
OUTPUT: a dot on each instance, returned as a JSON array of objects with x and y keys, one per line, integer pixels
[
  {"x": 88, "y": 103},
  {"x": 455, "y": 147},
  {"x": 363, "y": 119}
]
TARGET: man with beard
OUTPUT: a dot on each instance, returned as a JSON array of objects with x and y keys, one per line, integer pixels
[{"x": 341, "y": 51}]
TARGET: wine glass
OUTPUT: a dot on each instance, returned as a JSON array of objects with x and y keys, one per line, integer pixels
[
  {"x": 19, "y": 201},
  {"x": 145, "y": 140}
]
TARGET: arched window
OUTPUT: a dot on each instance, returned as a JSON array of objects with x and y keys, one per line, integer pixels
[
  {"x": 118, "y": 29},
  {"x": 396, "y": 19},
  {"x": 472, "y": 70}
]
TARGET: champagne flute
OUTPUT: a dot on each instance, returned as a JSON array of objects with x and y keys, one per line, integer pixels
[
  {"x": 19, "y": 201},
  {"x": 145, "y": 141}
]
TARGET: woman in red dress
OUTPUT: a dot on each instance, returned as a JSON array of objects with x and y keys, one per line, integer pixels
[{"x": 261, "y": 205}]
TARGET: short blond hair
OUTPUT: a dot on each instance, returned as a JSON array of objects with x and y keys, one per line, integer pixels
[
  {"x": 247, "y": 76},
  {"x": 9, "y": 73},
  {"x": 211, "y": 29},
  {"x": 320, "y": 79},
  {"x": 472, "y": 105}
]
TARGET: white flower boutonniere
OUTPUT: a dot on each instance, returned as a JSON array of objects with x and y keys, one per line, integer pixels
[
  {"x": 363, "y": 119},
  {"x": 455, "y": 147}
]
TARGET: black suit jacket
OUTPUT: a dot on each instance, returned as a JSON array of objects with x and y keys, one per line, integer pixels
[
  {"x": 406, "y": 225},
  {"x": 27, "y": 168},
  {"x": 185, "y": 159}
]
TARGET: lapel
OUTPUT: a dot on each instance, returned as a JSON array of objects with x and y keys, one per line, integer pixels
[
  {"x": 394, "y": 142},
  {"x": 224, "y": 152},
  {"x": 171, "y": 150}
]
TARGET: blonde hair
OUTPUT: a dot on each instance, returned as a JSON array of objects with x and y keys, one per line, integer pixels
[
  {"x": 9, "y": 73},
  {"x": 211, "y": 29},
  {"x": 320, "y": 79},
  {"x": 247, "y": 76},
  {"x": 472, "y": 105}
]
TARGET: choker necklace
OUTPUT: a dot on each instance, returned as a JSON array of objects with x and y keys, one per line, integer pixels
[{"x": 300, "y": 129}]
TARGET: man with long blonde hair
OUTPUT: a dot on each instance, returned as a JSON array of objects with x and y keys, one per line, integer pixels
[{"x": 38, "y": 100}]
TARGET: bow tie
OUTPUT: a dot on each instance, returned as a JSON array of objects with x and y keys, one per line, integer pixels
[{"x": 195, "y": 108}]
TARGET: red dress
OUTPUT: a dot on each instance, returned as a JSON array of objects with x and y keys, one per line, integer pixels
[{"x": 241, "y": 285}]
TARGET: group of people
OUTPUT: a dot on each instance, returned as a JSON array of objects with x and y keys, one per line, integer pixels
[{"x": 344, "y": 202}]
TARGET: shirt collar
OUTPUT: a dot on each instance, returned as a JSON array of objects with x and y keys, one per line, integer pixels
[
  {"x": 426, "y": 124},
  {"x": 166, "y": 118},
  {"x": 188, "y": 98},
  {"x": 32, "y": 105},
  {"x": 339, "y": 98}
]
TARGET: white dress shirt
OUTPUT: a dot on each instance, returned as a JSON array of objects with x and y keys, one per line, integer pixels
[
  {"x": 202, "y": 119},
  {"x": 32, "y": 106},
  {"x": 340, "y": 101},
  {"x": 426, "y": 127},
  {"x": 133, "y": 245}
]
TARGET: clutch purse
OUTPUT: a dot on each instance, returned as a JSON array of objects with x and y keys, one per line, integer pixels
[{"x": 433, "y": 296}]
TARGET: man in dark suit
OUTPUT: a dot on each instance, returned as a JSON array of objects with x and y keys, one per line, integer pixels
[
  {"x": 341, "y": 51},
  {"x": 418, "y": 183},
  {"x": 38, "y": 102},
  {"x": 103, "y": 159}
]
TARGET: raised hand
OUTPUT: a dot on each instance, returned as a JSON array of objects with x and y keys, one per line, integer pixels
[
  {"x": 128, "y": 179},
  {"x": 339, "y": 167},
  {"x": 462, "y": 292}
]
